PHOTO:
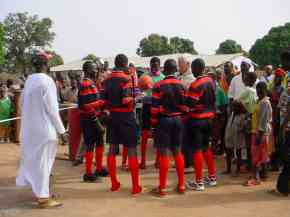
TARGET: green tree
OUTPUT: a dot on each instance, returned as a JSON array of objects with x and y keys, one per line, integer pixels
[
  {"x": 156, "y": 45},
  {"x": 55, "y": 60},
  {"x": 2, "y": 49},
  {"x": 267, "y": 49},
  {"x": 181, "y": 45},
  {"x": 229, "y": 47},
  {"x": 91, "y": 57},
  {"x": 23, "y": 33}
]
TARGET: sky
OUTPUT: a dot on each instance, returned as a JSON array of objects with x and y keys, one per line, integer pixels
[{"x": 108, "y": 27}]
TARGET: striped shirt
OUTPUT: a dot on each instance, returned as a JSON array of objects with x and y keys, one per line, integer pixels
[
  {"x": 201, "y": 98},
  {"x": 88, "y": 97},
  {"x": 117, "y": 92},
  {"x": 168, "y": 99}
]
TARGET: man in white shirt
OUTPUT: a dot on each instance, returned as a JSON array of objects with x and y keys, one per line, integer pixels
[
  {"x": 40, "y": 126},
  {"x": 268, "y": 76},
  {"x": 186, "y": 76},
  {"x": 236, "y": 87},
  {"x": 185, "y": 73}
]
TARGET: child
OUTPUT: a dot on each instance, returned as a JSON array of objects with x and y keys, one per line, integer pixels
[
  {"x": 237, "y": 124},
  {"x": 168, "y": 105},
  {"x": 261, "y": 130},
  {"x": 6, "y": 110},
  {"x": 275, "y": 94}
]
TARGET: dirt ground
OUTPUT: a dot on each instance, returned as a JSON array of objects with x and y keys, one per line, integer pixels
[{"x": 229, "y": 199}]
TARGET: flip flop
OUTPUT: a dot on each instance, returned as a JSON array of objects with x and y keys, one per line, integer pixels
[{"x": 252, "y": 182}]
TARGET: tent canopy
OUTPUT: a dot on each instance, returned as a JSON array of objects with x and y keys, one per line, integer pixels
[{"x": 144, "y": 62}]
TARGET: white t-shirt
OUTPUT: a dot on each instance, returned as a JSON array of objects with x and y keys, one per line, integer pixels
[{"x": 236, "y": 87}]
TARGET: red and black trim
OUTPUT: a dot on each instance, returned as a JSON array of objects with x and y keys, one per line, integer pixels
[
  {"x": 88, "y": 98},
  {"x": 201, "y": 98},
  {"x": 168, "y": 99},
  {"x": 117, "y": 93}
]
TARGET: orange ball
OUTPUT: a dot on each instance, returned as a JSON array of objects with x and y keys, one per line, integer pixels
[{"x": 145, "y": 82}]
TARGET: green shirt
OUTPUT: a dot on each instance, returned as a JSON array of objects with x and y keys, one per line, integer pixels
[
  {"x": 221, "y": 97},
  {"x": 155, "y": 79},
  {"x": 249, "y": 99},
  {"x": 6, "y": 109}
]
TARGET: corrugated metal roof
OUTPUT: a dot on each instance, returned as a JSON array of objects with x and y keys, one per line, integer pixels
[{"x": 144, "y": 62}]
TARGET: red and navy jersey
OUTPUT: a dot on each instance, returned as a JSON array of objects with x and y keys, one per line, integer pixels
[
  {"x": 168, "y": 99},
  {"x": 88, "y": 97},
  {"x": 201, "y": 98},
  {"x": 117, "y": 92}
]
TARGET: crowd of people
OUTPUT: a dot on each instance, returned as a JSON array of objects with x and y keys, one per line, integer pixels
[
  {"x": 189, "y": 112},
  {"x": 7, "y": 109}
]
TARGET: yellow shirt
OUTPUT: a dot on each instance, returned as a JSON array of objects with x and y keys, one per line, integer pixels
[{"x": 262, "y": 117}]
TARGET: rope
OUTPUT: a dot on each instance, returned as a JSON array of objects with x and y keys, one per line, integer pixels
[{"x": 18, "y": 118}]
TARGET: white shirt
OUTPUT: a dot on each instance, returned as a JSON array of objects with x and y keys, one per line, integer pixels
[
  {"x": 40, "y": 123},
  {"x": 236, "y": 87},
  {"x": 267, "y": 79},
  {"x": 187, "y": 78}
]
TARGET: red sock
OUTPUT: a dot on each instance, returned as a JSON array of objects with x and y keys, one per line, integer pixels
[
  {"x": 112, "y": 170},
  {"x": 124, "y": 155},
  {"x": 179, "y": 164},
  {"x": 134, "y": 168},
  {"x": 157, "y": 159},
  {"x": 198, "y": 160},
  {"x": 89, "y": 156},
  {"x": 144, "y": 140},
  {"x": 99, "y": 158},
  {"x": 163, "y": 171},
  {"x": 208, "y": 155}
]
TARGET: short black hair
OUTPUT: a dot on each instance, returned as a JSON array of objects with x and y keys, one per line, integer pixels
[
  {"x": 38, "y": 61},
  {"x": 170, "y": 67},
  {"x": 121, "y": 61},
  {"x": 251, "y": 77},
  {"x": 262, "y": 85},
  {"x": 89, "y": 66},
  {"x": 155, "y": 60},
  {"x": 198, "y": 65}
]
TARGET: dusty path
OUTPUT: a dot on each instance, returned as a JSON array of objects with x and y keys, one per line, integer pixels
[{"x": 229, "y": 199}]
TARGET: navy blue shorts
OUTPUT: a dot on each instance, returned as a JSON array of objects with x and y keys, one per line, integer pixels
[
  {"x": 92, "y": 136},
  {"x": 169, "y": 132},
  {"x": 197, "y": 134},
  {"x": 146, "y": 114},
  {"x": 122, "y": 129}
]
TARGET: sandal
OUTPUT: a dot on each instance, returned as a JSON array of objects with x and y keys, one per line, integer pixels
[{"x": 252, "y": 182}]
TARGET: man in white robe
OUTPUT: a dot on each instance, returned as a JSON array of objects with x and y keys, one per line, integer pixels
[{"x": 40, "y": 127}]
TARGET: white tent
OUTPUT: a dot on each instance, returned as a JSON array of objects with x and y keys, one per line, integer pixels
[{"x": 143, "y": 62}]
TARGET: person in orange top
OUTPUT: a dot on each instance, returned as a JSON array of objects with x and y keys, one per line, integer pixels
[{"x": 227, "y": 76}]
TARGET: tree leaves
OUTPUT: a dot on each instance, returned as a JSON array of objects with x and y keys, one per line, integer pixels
[
  {"x": 267, "y": 49},
  {"x": 229, "y": 47},
  {"x": 156, "y": 45},
  {"x": 55, "y": 60},
  {"x": 23, "y": 33},
  {"x": 2, "y": 49}
]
